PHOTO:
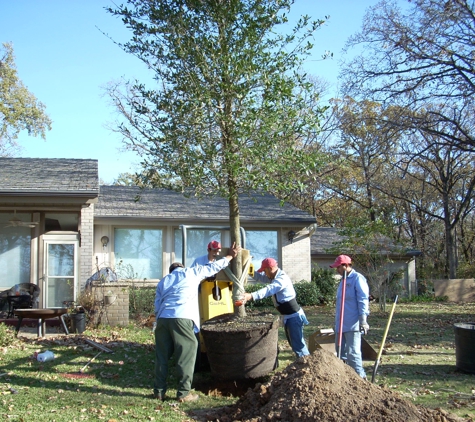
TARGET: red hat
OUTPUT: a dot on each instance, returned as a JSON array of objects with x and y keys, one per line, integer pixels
[
  {"x": 214, "y": 245},
  {"x": 341, "y": 259},
  {"x": 267, "y": 263}
]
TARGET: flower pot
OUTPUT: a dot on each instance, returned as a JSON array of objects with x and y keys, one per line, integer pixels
[
  {"x": 78, "y": 322},
  {"x": 109, "y": 299}
]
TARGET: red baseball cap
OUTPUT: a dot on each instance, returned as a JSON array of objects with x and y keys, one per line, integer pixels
[
  {"x": 214, "y": 245},
  {"x": 267, "y": 263},
  {"x": 341, "y": 259}
]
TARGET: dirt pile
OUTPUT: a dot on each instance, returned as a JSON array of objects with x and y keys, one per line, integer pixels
[{"x": 321, "y": 387}]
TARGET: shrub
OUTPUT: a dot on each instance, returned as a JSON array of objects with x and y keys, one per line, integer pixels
[
  {"x": 141, "y": 301},
  {"x": 326, "y": 283}
]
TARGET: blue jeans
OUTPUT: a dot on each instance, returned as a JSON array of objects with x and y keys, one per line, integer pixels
[
  {"x": 351, "y": 351},
  {"x": 294, "y": 333}
]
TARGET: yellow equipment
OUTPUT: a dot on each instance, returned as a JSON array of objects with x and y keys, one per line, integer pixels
[{"x": 216, "y": 294}]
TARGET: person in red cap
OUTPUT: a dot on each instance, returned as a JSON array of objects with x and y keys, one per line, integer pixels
[
  {"x": 356, "y": 310},
  {"x": 214, "y": 249},
  {"x": 281, "y": 289}
]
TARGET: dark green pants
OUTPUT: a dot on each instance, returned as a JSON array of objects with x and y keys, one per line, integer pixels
[{"x": 175, "y": 336}]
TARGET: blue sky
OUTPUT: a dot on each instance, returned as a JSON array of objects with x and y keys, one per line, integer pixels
[{"x": 65, "y": 60}]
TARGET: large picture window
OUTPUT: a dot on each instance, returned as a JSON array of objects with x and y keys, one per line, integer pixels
[
  {"x": 262, "y": 244},
  {"x": 138, "y": 253},
  {"x": 14, "y": 251},
  {"x": 196, "y": 243}
]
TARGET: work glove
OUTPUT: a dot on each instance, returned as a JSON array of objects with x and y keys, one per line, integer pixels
[{"x": 364, "y": 327}]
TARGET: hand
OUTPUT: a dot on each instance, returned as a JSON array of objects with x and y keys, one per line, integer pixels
[
  {"x": 364, "y": 327},
  {"x": 234, "y": 250},
  {"x": 247, "y": 297}
]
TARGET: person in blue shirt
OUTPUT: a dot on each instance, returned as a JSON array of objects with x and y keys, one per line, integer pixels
[
  {"x": 178, "y": 319},
  {"x": 214, "y": 249},
  {"x": 355, "y": 312},
  {"x": 283, "y": 294}
]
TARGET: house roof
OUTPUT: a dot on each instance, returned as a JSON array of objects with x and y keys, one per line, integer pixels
[
  {"x": 121, "y": 202},
  {"x": 323, "y": 239},
  {"x": 48, "y": 177}
]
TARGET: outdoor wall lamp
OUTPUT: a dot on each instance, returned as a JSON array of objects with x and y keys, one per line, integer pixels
[
  {"x": 104, "y": 241},
  {"x": 291, "y": 234}
]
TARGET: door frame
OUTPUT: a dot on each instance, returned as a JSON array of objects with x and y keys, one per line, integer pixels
[{"x": 59, "y": 238}]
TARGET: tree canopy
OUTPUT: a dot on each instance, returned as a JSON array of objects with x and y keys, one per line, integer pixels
[
  {"x": 19, "y": 109},
  {"x": 231, "y": 111}
]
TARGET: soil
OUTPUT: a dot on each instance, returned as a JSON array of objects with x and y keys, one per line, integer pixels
[{"x": 320, "y": 387}]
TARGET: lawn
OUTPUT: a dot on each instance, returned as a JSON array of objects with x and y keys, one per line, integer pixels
[{"x": 419, "y": 364}]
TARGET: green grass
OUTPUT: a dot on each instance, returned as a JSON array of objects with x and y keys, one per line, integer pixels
[{"x": 419, "y": 365}]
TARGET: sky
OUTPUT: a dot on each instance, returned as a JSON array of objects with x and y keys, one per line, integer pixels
[{"x": 63, "y": 57}]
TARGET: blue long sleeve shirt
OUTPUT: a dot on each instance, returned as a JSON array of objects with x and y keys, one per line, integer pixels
[
  {"x": 281, "y": 286},
  {"x": 356, "y": 302},
  {"x": 176, "y": 295}
]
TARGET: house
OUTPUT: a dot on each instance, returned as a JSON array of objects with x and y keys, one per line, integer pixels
[
  {"x": 58, "y": 226},
  {"x": 326, "y": 238}
]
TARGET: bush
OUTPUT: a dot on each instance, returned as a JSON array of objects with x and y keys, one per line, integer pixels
[
  {"x": 141, "y": 301},
  {"x": 326, "y": 283}
]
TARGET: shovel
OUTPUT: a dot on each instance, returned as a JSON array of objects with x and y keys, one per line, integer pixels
[{"x": 376, "y": 363}]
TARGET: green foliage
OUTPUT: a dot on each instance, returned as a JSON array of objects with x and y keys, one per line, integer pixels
[
  {"x": 230, "y": 91},
  {"x": 326, "y": 284},
  {"x": 308, "y": 293},
  {"x": 141, "y": 301},
  {"x": 7, "y": 335},
  {"x": 19, "y": 109},
  {"x": 264, "y": 303}
]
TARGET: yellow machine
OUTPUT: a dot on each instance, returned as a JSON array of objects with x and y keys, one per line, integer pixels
[{"x": 216, "y": 294}]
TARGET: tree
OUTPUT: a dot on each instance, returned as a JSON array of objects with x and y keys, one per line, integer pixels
[
  {"x": 231, "y": 112},
  {"x": 19, "y": 109},
  {"x": 421, "y": 55}
]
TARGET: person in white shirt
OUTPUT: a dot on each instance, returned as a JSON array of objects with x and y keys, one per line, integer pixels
[
  {"x": 178, "y": 319},
  {"x": 214, "y": 249}
]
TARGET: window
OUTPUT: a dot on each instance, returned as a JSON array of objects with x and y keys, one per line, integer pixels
[
  {"x": 262, "y": 244},
  {"x": 138, "y": 253},
  {"x": 196, "y": 243},
  {"x": 14, "y": 251}
]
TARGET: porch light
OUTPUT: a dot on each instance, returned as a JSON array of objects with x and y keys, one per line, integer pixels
[
  {"x": 104, "y": 241},
  {"x": 291, "y": 234}
]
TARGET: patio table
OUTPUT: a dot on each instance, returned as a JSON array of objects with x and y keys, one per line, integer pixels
[{"x": 42, "y": 315}]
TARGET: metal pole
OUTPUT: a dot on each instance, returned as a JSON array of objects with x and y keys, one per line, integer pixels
[{"x": 342, "y": 312}]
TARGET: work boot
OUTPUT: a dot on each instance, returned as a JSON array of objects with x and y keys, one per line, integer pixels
[
  {"x": 159, "y": 396},
  {"x": 189, "y": 397}
]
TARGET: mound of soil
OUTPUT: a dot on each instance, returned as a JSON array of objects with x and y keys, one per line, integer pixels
[{"x": 320, "y": 387}]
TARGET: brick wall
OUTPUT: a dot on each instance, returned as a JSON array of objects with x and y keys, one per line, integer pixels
[
  {"x": 114, "y": 313},
  {"x": 86, "y": 250},
  {"x": 296, "y": 259}
]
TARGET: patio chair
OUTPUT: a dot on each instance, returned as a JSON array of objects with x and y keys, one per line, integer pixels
[{"x": 22, "y": 296}]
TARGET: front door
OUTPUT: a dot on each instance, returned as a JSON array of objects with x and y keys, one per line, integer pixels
[{"x": 61, "y": 269}]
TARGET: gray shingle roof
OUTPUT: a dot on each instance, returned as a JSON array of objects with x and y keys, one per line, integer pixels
[
  {"x": 323, "y": 239},
  {"x": 120, "y": 201},
  {"x": 54, "y": 176}
]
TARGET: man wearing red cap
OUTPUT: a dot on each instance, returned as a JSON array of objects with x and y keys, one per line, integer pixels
[
  {"x": 214, "y": 248},
  {"x": 355, "y": 312},
  {"x": 283, "y": 294}
]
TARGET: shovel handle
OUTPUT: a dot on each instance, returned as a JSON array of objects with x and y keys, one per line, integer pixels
[
  {"x": 376, "y": 364},
  {"x": 342, "y": 312}
]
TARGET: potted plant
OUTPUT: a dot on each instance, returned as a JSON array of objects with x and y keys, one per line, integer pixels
[{"x": 109, "y": 298}]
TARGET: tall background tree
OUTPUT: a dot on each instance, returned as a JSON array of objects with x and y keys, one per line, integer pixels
[
  {"x": 19, "y": 109},
  {"x": 231, "y": 111}
]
